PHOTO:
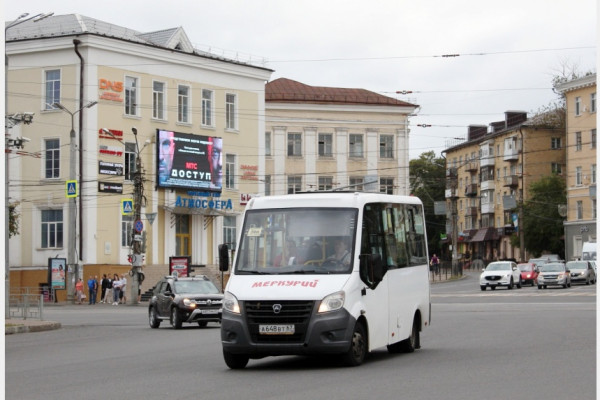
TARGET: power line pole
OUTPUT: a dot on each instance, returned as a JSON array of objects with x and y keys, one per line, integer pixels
[{"x": 136, "y": 239}]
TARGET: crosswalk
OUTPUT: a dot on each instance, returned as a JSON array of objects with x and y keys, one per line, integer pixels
[{"x": 558, "y": 292}]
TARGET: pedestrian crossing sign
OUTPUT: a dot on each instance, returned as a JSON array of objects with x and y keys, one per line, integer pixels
[
  {"x": 127, "y": 207},
  {"x": 71, "y": 189}
]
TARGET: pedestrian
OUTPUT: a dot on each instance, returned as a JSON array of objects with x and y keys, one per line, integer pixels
[
  {"x": 123, "y": 295},
  {"x": 435, "y": 264},
  {"x": 92, "y": 287},
  {"x": 102, "y": 288},
  {"x": 108, "y": 293},
  {"x": 79, "y": 291},
  {"x": 96, "y": 288},
  {"x": 116, "y": 288}
]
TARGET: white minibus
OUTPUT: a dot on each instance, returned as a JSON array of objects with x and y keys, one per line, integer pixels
[{"x": 339, "y": 273}]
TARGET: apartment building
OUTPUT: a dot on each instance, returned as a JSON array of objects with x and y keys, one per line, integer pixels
[
  {"x": 116, "y": 90},
  {"x": 327, "y": 138},
  {"x": 581, "y": 218},
  {"x": 489, "y": 173}
]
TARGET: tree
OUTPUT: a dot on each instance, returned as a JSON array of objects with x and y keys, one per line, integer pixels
[
  {"x": 542, "y": 224},
  {"x": 428, "y": 182}
]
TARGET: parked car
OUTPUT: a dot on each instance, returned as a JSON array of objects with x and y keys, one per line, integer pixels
[
  {"x": 529, "y": 273},
  {"x": 500, "y": 273},
  {"x": 582, "y": 271},
  {"x": 554, "y": 274},
  {"x": 186, "y": 299}
]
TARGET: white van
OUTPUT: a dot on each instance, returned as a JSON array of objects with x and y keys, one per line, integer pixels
[
  {"x": 326, "y": 273},
  {"x": 588, "y": 251}
]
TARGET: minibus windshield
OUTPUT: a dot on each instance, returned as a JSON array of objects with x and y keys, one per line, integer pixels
[{"x": 297, "y": 241}]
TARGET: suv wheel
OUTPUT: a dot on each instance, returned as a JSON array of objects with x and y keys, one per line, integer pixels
[
  {"x": 175, "y": 318},
  {"x": 153, "y": 318}
]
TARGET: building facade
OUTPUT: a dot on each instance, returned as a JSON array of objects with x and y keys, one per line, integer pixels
[
  {"x": 116, "y": 89},
  {"x": 489, "y": 174},
  {"x": 581, "y": 218},
  {"x": 323, "y": 138}
]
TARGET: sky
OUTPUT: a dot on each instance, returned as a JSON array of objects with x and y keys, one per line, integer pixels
[{"x": 466, "y": 62}]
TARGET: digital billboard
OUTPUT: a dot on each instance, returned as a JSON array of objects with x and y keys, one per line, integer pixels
[{"x": 189, "y": 161}]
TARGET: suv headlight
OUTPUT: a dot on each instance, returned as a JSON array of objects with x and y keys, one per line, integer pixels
[
  {"x": 332, "y": 302},
  {"x": 189, "y": 303},
  {"x": 230, "y": 303}
]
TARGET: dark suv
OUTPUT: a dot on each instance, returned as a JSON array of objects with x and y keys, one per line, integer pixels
[{"x": 179, "y": 300}]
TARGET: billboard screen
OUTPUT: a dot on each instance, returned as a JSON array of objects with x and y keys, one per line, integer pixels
[{"x": 189, "y": 161}]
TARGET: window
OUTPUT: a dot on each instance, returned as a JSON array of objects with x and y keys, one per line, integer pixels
[
  {"x": 356, "y": 145},
  {"x": 386, "y": 146},
  {"x": 126, "y": 230},
  {"x": 52, "y": 229},
  {"x": 578, "y": 176},
  {"x": 52, "y": 88},
  {"x": 578, "y": 141},
  {"x": 386, "y": 185},
  {"x": 356, "y": 183},
  {"x": 294, "y": 184},
  {"x": 52, "y": 158},
  {"x": 131, "y": 85},
  {"x": 556, "y": 143},
  {"x": 325, "y": 145},
  {"x": 207, "y": 107},
  {"x": 267, "y": 185},
  {"x": 230, "y": 171},
  {"x": 158, "y": 100},
  {"x": 268, "y": 144},
  {"x": 577, "y": 105},
  {"x": 593, "y": 139},
  {"x": 325, "y": 183},
  {"x": 594, "y": 213},
  {"x": 579, "y": 209},
  {"x": 294, "y": 144},
  {"x": 183, "y": 104},
  {"x": 557, "y": 168},
  {"x": 593, "y": 173},
  {"x": 130, "y": 154},
  {"x": 229, "y": 231},
  {"x": 593, "y": 102},
  {"x": 231, "y": 111},
  {"x": 183, "y": 235}
]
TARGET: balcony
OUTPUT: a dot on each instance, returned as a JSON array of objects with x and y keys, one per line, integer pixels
[
  {"x": 472, "y": 211},
  {"x": 511, "y": 181},
  {"x": 471, "y": 190},
  {"x": 511, "y": 155},
  {"x": 487, "y": 208},
  {"x": 472, "y": 166},
  {"x": 487, "y": 161},
  {"x": 450, "y": 193},
  {"x": 451, "y": 172}
]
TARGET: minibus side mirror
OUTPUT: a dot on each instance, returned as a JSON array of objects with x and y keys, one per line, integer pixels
[
  {"x": 223, "y": 257},
  {"x": 372, "y": 269}
]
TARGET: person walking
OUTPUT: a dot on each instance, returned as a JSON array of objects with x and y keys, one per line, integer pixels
[
  {"x": 435, "y": 264},
  {"x": 116, "y": 289},
  {"x": 79, "y": 291}
]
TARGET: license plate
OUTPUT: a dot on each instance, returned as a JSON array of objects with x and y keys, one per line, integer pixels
[
  {"x": 276, "y": 329},
  {"x": 215, "y": 311}
]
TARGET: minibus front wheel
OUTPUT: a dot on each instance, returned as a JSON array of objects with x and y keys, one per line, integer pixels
[{"x": 358, "y": 346}]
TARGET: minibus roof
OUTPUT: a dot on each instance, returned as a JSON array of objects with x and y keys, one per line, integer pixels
[{"x": 327, "y": 199}]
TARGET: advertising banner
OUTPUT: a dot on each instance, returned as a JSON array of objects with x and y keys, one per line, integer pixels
[
  {"x": 57, "y": 270},
  {"x": 180, "y": 264}
]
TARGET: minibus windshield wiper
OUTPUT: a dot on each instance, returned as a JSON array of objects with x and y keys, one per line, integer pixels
[{"x": 252, "y": 272}]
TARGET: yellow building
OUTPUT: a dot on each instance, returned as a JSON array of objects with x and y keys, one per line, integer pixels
[
  {"x": 490, "y": 173},
  {"x": 580, "y": 226},
  {"x": 326, "y": 138},
  {"x": 116, "y": 89}
]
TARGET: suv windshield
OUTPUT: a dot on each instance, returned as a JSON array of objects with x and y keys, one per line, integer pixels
[
  {"x": 195, "y": 287},
  {"x": 498, "y": 267},
  {"x": 296, "y": 241}
]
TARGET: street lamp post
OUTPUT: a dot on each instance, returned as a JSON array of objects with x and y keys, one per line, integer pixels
[
  {"x": 71, "y": 258},
  {"x": 22, "y": 18}
]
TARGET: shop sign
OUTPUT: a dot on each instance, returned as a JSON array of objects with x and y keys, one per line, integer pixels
[
  {"x": 112, "y": 90},
  {"x": 203, "y": 203}
]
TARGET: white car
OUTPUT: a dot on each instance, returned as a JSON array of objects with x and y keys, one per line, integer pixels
[{"x": 500, "y": 273}]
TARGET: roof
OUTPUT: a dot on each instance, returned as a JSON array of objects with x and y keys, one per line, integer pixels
[
  {"x": 77, "y": 24},
  {"x": 285, "y": 90}
]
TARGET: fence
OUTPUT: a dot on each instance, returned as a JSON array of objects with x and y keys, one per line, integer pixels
[{"x": 24, "y": 303}]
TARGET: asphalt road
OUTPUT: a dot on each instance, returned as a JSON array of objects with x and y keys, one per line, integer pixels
[{"x": 519, "y": 344}]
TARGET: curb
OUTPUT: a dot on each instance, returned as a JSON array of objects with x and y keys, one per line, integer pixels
[{"x": 37, "y": 326}]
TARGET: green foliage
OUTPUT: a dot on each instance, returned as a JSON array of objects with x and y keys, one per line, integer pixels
[
  {"x": 428, "y": 182},
  {"x": 13, "y": 220},
  {"x": 542, "y": 224}
]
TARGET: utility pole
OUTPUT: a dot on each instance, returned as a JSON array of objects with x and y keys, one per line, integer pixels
[{"x": 136, "y": 241}]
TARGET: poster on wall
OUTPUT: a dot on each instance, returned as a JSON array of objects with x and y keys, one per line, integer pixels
[
  {"x": 57, "y": 270},
  {"x": 189, "y": 161},
  {"x": 180, "y": 264}
]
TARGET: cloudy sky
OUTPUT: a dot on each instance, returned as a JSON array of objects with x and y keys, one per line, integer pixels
[{"x": 505, "y": 52}]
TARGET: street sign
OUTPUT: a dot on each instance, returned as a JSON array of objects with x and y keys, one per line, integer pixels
[
  {"x": 127, "y": 207},
  {"x": 139, "y": 226},
  {"x": 71, "y": 188}
]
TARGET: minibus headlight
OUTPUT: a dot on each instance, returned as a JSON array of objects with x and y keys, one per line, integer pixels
[
  {"x": 230, "y": 303},
  {"x": 332, "y": 302}
]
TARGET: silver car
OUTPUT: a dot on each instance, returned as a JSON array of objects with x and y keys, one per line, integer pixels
[
  {"x": 554, "y": 274},
  {"x": 582, "y": 271}
]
